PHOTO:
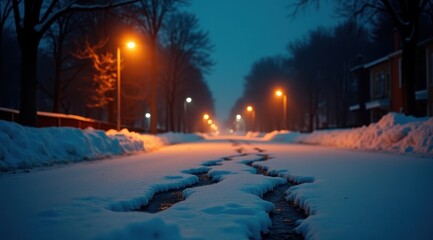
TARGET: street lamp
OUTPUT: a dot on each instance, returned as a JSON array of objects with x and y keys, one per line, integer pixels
[
  {"x": 129, "y": 45},
  {"x": 238, "y": 123},
  {"x": 147, "y": 115},
  {"x": 280, "y": 93},
  {"x": 253, "y": 116},
  {"x": 185, "y": 108},
  {"x": 205, "y": 119}
]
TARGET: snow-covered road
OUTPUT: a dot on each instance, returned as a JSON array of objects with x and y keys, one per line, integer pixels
[{"x": 348, "y": 194}]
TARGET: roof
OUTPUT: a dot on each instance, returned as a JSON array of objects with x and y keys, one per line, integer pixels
[{"x": 387, "y": 57}]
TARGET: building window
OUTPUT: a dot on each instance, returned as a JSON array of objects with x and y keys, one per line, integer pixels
[{"x": 380, "y": 85}]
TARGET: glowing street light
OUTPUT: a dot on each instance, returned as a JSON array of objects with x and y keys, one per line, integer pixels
[
  {"x": 129, "y": 45},
  {"x": 238, "y": 117},
  {"x": 253, "y": 116},
  {"x": 185, "y": 108},
  {"x": 280, "y": 93},
  {"x": 209, "y": 121},
  {"x": 206, "y": 117}
]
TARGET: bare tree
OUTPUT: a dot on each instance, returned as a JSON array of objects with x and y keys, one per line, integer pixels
[
  {"x": 405, "y": 15},
  {"x": 5, "y": 10},
  {"x": 150, "y": 16},
  {"x": 105, "y": 76},
  {"x": 33, "y": 18},
  {"x": 188, "y": 48},
  {"x": 265, "y": 76},
  {"x": 58, "y": 36}
]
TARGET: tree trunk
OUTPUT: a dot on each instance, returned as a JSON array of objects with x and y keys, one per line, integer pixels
[
  {"x": 167, "y": 115},
  {"x": 409, "y": 75},
  {"x": 171, "y": 115},
  {"x": 153, "y": 88},
  {"x": 311, "y": 115},
  {"x": 57, "y": 76},
  {"x": 179, "y": 119},
  {"x": 28, "y": 76}
]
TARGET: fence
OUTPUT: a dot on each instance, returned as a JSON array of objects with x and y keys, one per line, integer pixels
[{"x": 47, "y": 119}]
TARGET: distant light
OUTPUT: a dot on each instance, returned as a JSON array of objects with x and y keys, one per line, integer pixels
[
  {"x": 279, "y": 93},
  {"x": 209, "y": 121},
  {"x": 206, "y": 116},
  {"x": 231, "y": 131},
  {"x": 238, "y": 117},
  {"x": 249, "y": 108},
  {"x": 188, "y": 99},
  {"x": 130, "y": 44},
  {"x": 147, "y": 115}
]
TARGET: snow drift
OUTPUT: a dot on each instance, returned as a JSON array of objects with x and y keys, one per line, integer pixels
[
  {"x": 393, "y": 133},
  {"x": 26, "y": 147}
]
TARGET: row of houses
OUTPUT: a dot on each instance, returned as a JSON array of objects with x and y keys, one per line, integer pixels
[{"x": 376, "y": 86}]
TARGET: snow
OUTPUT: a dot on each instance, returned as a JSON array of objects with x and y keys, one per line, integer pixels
[
  {"x": 383, "y": 193},
  {"x": 26, "y": 147},
  {"x": 357, "y": 195},
  {"x": 393, "y": 133}
]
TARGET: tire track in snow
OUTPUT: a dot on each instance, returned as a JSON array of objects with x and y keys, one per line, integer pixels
[
  {"x": 164, "y": 200},
  {"x": 285, "y": 215}
]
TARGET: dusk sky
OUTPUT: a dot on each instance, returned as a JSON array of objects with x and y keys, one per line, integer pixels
[{"x": 243, "y": 31}]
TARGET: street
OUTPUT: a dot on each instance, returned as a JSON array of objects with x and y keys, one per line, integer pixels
[{"x": 346, "y": 194}]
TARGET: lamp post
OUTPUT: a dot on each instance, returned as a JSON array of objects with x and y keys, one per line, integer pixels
[
  {"x": 185, "y": 108},
  {"x": 129, "y": 45},
  {"x": 205, "y": 118},
  {"x": 253, "y": 116},
  {"x": 147, "y": 115},
  {"x": 238, "y": 123},
  {"x": 280, "y": 93}
]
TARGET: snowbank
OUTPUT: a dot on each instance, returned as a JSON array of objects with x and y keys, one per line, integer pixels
[
  {"x": 26, "y": 147},
  {"x": 255, "y": 134},
  {"x": 393, "y": 133}
]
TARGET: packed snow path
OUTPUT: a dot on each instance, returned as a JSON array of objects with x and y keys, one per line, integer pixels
[{"x": 347, "y": 194}]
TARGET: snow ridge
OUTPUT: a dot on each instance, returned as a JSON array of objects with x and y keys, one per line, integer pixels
[
  {"x": 393, "y": 133},
  {"x": 136, "y": 203},
  {"x": 27, "y": 147}
]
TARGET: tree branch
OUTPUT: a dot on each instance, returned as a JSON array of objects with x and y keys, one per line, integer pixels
[{"x": 73, "y": 6}]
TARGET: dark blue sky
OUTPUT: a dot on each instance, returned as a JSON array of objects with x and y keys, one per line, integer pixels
[{"x": 243, "y": 31}]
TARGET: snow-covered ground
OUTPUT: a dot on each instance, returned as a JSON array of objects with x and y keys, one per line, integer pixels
[{"x": 348, "y": 194}]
